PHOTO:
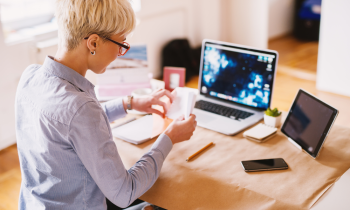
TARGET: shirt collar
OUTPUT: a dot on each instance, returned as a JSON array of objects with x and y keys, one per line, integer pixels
[{"x": 68, "y": 74}]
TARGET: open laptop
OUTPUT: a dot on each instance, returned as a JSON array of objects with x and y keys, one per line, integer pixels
[{"x": 235, "y": 85}]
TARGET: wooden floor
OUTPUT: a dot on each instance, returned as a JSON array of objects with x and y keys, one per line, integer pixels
[
  {"x": 296, "y": 54},
  {"x": 296, "y": 69},
  {"x": 10, "y": 178}
]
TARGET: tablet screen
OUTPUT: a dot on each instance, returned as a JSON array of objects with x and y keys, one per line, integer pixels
[{"x": 308, "y": 122}]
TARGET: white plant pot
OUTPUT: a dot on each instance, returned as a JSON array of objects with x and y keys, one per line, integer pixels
[{"x": 272, "y": 121}]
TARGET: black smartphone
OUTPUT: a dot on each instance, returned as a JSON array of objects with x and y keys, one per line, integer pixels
[{"x": 264, "y": 165}]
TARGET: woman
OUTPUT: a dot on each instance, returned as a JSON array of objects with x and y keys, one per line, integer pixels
[{"x": 66, "y": 149}]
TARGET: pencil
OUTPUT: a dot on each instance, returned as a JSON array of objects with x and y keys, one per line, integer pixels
[{"x": 201, "y": 150}]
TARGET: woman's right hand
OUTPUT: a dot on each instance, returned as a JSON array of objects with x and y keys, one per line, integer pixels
[{"x": 180, "y": 129}]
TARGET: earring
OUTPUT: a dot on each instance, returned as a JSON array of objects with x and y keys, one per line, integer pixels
[{"x": 93, "y": 53}]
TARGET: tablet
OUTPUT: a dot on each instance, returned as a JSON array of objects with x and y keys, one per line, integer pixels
[{"x": 308, "y": 122}]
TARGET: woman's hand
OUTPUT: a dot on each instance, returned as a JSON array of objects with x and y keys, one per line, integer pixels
[
  {"x": 180, "y": 129},
  {"x": 144, "y": 104}
]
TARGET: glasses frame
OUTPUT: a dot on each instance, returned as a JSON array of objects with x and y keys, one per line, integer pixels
[{"x": 124, "y": 45}]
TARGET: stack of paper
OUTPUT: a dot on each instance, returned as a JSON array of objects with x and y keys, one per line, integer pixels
[{"x": 124, "y": 75}]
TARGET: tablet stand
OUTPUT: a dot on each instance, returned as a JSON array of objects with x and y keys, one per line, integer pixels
[{"x": 295, "y": 144}]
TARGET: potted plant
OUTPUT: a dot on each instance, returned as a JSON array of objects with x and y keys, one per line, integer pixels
[{"x": 272, "y": 117}]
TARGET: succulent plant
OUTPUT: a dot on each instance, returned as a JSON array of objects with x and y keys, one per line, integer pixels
[{"x": 272, "y": 113}]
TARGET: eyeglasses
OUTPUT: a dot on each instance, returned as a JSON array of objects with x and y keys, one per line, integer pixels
[{"x": 124, "y": 47}]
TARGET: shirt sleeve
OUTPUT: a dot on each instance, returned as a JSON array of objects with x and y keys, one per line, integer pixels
[
  {"x": 90, "y": 135},
  {"x": 114, "y": 109}
]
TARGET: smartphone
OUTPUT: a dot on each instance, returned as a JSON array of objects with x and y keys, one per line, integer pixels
[{"x": 264, "y": 165}]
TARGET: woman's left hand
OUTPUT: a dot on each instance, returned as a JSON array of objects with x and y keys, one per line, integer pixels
[{"x": 144, "y": 104}]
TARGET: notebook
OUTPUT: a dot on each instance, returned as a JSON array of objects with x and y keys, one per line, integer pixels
[
  {"x": 143, "y": 126},
  {"x": 150, "y": 126},
  {"x": 260, "y": 133}
]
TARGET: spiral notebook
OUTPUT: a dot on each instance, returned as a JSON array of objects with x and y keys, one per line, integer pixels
[{"x": 260, "y": 133}]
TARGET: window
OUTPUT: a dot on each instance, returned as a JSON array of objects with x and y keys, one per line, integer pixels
[
  {"x": 22, "y": 18},
  {"x": 14, "y": 11},
  {"x": 19, "y": 14},
  {"x": 136, "y": 5}
]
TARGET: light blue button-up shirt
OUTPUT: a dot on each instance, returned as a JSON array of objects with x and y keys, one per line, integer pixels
[{"x": 65, "y": 145}]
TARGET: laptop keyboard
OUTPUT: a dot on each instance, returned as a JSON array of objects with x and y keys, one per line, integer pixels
[{"x": 222, "y": 110}]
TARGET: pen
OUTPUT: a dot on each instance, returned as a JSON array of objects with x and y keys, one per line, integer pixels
[
  {"x": 201, "y": 150},
  {"x": 123, "y": 123}
]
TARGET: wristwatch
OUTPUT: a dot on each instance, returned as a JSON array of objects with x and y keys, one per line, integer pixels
[{"x": 128, "y": 102}]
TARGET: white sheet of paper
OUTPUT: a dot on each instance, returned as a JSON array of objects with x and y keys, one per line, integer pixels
[{"x": 183, "y": 104}]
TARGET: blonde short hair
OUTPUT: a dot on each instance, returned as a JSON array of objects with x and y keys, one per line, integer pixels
[{"x": 78, "y": 19}]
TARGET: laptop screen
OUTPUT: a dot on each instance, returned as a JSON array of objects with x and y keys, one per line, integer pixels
[{"x": 238, "y": 74}]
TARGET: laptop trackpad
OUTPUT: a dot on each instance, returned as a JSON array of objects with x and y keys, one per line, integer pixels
[{"x": 203, "y": 118}]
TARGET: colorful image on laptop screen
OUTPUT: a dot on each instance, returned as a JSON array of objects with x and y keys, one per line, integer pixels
[{"x": 237, "y": 74}]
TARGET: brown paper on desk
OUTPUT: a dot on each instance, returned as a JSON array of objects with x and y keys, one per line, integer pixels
[{"x": 215, "y": 178}]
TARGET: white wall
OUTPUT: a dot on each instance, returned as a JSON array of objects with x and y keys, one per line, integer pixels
[
  {"x": 333, "y": 69},
  {"x": 207, "y": 19},
  {"x": 14, "y": 59},
  {"x": 254, "y": 22},
  {"x": 281, "y": 14},
  {"x": 248, "y": 22},
  {"x": 162, "y": 21}
]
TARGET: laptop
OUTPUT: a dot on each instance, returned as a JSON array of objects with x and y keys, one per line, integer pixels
[{"x": 235, "y": 85}]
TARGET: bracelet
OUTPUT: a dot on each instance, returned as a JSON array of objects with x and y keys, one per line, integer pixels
[{"x": 128, "y": 102}]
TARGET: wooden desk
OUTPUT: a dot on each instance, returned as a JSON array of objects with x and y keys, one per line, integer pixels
[{"x": 216, "y": 180}]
